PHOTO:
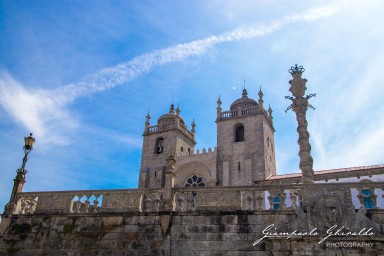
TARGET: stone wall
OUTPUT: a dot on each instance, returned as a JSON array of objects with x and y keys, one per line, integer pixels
[
  {"x": 194, "y": 233},
  {"x": 196, "y": 221}
]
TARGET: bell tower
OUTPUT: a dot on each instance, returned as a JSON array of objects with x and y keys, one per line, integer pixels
[
  {"x": 245, "y": 142},
  {"x": 169, "y": 137}
]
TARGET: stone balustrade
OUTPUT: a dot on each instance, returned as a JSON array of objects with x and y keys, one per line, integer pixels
[
  {"x": 261, "y": 197},
  {"x": 241, "y": 112},
  {"x": 228, "y": 114},
  {"x": 169, "y": 126}
]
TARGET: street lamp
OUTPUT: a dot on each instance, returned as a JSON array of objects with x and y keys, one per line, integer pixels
[{"x": 28, "y": 146}]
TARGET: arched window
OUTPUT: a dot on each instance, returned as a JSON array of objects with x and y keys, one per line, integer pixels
[
  {"x": 159, "y": 147},
  {"x": 239, "y": 133},
  {"x": 195, "y": 181}
]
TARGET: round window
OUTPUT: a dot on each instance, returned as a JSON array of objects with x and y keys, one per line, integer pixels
[{"x": 195, "y": 181}]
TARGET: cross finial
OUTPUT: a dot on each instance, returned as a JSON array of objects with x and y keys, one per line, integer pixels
[
  {"x": 245, "y": 93},
  {"x": 219, "y": 101}
]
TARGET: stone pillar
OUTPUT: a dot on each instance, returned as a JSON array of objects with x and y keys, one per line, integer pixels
[
  {"x": 169, "y": 183},
  {"x": 299, "y": 106},
  {"x": 18, "y": 184}
]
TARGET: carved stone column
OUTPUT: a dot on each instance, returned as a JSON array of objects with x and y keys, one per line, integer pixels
[{"x": 299, "y": 106}]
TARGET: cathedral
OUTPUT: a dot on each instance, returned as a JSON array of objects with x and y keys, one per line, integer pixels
[{"x": 244, "y": 154}]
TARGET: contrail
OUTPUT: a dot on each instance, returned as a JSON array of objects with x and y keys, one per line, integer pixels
[
  {"x": 45, "y": 110},
  {"x": 110, "y": 77}
]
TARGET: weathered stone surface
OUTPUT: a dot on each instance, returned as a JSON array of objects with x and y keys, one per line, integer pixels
[
  {"x": 217, "y": 233},
  {"x": 208, "y": 231}
]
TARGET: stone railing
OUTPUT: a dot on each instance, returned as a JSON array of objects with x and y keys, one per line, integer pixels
[
  {"x": 240, "y": 112},
  {"x": 152, "y": 129},
  {"x": 159, "y": 128},
  {"x": 261, "y": 197},
  {"x": 169, "y": 126}
]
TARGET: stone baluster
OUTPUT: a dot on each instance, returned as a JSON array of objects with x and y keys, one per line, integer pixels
[
  {"x": 95, "y": 203},
  {"x": 246, "y": 200},
  {"x": 259, "y": 200},
  {"x": 293, "y": 197},
  {"x": 147, "y": 202},
  {"x": 87, "y": 203},
  {"x": 270, "y": 199},
  {"x": 180, "y": 203},
  {"x": 78, "y": 204},
  {"x": 249, "y": 200}
]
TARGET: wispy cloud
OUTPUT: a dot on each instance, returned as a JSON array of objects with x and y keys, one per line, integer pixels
[
  {"x": 36, "y": 110},
  {"x": 43, "y": 111}
]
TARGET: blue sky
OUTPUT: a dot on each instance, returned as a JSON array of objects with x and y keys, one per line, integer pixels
[{"x": 82, "y": 75}]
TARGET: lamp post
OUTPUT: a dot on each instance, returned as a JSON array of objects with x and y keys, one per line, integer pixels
[
  {"x": 28, "y": 146},
  {"x": 20, "y": 174}
]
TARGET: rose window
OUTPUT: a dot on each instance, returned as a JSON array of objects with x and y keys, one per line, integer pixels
[{"x": 195, "y": 181}]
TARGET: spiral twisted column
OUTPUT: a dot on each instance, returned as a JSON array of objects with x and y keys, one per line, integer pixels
[{"x": 300, "y": 106}]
